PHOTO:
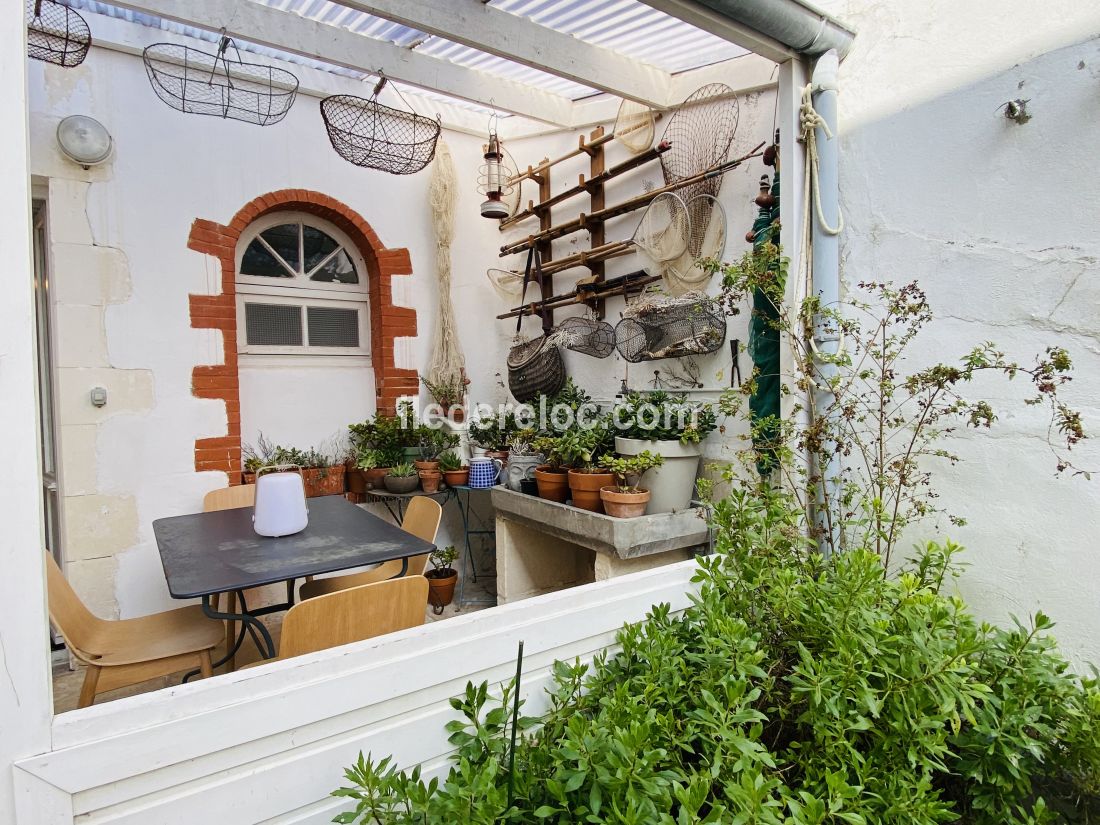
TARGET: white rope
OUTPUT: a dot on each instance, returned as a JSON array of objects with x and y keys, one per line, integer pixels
[
  {"x": 810, "y": 120},
  {"x": 447, "y": 366}
]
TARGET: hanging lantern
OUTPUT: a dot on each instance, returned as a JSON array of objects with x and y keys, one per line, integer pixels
[{"x": 493, "y": 181}]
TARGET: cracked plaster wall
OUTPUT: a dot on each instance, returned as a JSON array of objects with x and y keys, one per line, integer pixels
[{"x": 998, "y": 222}]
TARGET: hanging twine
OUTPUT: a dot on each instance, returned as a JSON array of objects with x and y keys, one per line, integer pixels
[
  {"x": 809, "y": 120},
  {"x": 447, "y": 366}
]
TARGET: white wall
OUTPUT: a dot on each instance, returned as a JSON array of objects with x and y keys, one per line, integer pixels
[
  {"x": 120, "y": 259},
  {"x": 998, "y": 223}
]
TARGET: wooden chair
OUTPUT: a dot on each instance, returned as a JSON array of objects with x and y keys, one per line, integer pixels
[
  {"x": 421, "y": 519},
  {"x": 352, "y": 615},
  {"x": 128, "y": 651},
  {"x": 229, "y": 498}
]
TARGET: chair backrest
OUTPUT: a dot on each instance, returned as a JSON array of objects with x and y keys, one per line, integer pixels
[
  {"x": 76, "y": 624},
  {"x": 354, "y": 614},
  {"x": 230, "y": 498},
  {"x": 422, "y": 520}
]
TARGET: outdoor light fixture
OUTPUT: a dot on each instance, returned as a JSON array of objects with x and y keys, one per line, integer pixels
[
  {"x": 492, "y": 180},
  {"x": 84, "y": 140}
]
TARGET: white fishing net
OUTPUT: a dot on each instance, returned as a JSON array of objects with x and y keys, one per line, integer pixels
[
  {"x": 634, "y": 126},
  {"x": 447, "y": 365},
  {"x": 706, "y": 240}
]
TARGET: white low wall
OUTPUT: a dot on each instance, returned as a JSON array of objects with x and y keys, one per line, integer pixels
[{"x": 268, "y": 745}]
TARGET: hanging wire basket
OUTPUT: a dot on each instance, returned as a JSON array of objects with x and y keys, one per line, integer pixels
[
  {"x": 660, "y": 327},
  {"x": 56, "y": 34},
  {"x": 588, "y": 336},
  {"x": 370, "y": 134},
  {"x": 199, "y": 83}
]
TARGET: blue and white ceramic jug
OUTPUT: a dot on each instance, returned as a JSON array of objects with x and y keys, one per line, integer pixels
[{"x": 485, "y": 471}]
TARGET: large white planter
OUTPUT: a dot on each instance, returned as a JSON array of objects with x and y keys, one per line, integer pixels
[{"x": 671, "y": 485}]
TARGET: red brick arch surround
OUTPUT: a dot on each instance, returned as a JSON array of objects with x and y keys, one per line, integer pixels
[{"x": 387, "y": 321}]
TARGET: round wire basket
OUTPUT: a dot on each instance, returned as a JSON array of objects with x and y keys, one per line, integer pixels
[
  {"x": 671, "y": 328},
  {"x": 535, "y": 368},
  {"x": 198, "y": 83},
  {"x": 370, "y": 134},
  {"x": 56, "y": 34},
  {"x": 588, "y": 336}
]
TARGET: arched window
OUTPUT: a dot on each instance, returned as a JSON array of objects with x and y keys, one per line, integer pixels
[{"x": 301, "y": 289}]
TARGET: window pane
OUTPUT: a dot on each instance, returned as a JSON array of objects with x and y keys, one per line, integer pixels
[
  {"x": 284, "y": 240},
  {"x": 257, "y": 261},
  {"x": 339, "y": 270},
  {"x": 274, "y": 325},
  {"x": 330, "y": 327},
  {"x": 317, "y": 246}
]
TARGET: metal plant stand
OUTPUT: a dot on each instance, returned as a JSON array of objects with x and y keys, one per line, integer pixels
[
  {"x": 472, "y": 525},
  {"x": 395, "y": 503}
]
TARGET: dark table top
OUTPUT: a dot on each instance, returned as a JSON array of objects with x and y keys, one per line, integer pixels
[{"x": 218, "y": 552}]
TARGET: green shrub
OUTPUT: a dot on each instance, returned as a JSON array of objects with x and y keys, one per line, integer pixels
[{"x": 794, "y": 690}]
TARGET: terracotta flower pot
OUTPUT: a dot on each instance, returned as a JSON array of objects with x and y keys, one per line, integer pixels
[
  {"x": 374, "y": 476},
  {"x": 624, "y": 505},
  {"x": 501, "y": 454},
  {"x": 356, "y": 478},
  {"x": 430, "y": 480},
  {"x": 324, "y": 481},
  {"x": 441, "y": 587},
  {"x": 553, "y": 483},
  {"x": 456, "y": 478},
  {"x": 586, "y": 489},
  {"x": 401, "y": 485},
  {"x": 422, "y": 464},
  {"x": 248, "y": 478}
]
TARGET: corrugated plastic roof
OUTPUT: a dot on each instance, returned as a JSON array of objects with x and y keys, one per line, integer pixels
[{"x": 628, "y": 27}]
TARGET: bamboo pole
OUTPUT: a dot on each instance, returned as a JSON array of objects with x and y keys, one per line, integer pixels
[
  {"x": 622, "y": 208},
  {"x": 606, "y": 289},
  {"x": 585, "y": 186}
]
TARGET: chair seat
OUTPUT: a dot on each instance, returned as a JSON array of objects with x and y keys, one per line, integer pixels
[{"x": 160, "y": 636}]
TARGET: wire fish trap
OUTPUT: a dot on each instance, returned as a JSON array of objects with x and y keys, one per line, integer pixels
[
  {"x": 56, "y": 34},
  {"x": 585, "y": 335},
  {"x": 198, "y": 83},
  {"x": 375, "y": 136},
  {"x": 661, "y": 327}
]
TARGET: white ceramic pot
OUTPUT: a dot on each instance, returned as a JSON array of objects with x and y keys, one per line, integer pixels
[
  {"x": 673, "y": 483},
  {"x": 520, "y": 468}
]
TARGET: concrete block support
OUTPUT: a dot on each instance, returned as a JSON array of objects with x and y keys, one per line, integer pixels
[{"x": 543, "y": 546}]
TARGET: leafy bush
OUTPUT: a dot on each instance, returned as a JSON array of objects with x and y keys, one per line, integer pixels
[
  {"x": 663, "y": 417},
  {"x": 796, "y": 690}
]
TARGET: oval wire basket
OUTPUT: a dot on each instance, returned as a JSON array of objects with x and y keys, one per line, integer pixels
[
  {"x": 56, "y": 34},
  {"x": 375, "y": 136},
  {"x": 199, "y": 83}
]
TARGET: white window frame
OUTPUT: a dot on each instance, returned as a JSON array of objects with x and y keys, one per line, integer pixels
[{"x": 300, "y": 291}]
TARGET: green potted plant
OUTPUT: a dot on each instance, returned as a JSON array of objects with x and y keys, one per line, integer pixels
[
  {"x": 448, "y": 394},
  {"x": 673, "y": 428},
  {"x": 402, "y": 478},
  {"x": 582, "y": 449},
  {"x": 432, "y": 442},
  {"x": 255, "y": 457},
  {"x": 442, "y": 577},
  {"x": 625, "y": 499},
  {"x": 455, "y": 473},
  {"x": 491, "y": 435},
  {"x": 552, "y": 478},
  {"x": 322, "y": 470}
]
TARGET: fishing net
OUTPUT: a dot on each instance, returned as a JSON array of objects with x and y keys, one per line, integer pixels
[
  {"x": 513, "y": 195},
  {"x": 198, "y": 83},
  {"x": 701, "y": 131},
  {"x": 706, "y": 241},
  {"x": 664, "y": 230},
  {"x": 370, "y": 134},
  {"x": 660, "y": 326},
  {"x": 507, "y": 283},
  {"x": 585, "y": 335},
  {"x": 56, "y": 34},
  {"x": 447, "y": 367},
  {"x": 634, "y": 126}
]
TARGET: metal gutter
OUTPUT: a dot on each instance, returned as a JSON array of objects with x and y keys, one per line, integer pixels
[{"x": 796, "y": 24}]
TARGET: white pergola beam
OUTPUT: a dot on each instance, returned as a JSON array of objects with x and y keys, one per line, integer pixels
[
  {"x": 476, "y": 24},
  {"x": 299, "y": 35},
  {"x": 748, "y": 73},
  {"x": 717, "y": 24}
]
